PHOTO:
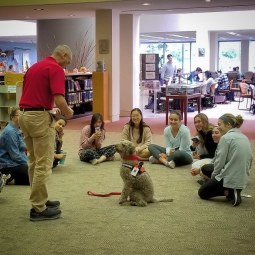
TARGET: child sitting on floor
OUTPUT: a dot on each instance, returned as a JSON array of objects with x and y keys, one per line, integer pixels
[{"x": 59, "y": 127}]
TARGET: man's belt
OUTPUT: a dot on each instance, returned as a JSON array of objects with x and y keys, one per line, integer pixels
[{"x": 33, "y": 109}]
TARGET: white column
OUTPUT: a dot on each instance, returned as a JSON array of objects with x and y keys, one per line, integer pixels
[
  {"x": 129, "y": 63},
  {"x": 213, "y": 56},
  {"x": 107, "y": 28},
  {"x": 245, "y": 56},
  {"x": 202, "y": 42}
]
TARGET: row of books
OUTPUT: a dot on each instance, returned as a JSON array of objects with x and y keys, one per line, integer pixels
[
  {"x": 79, "y": 97},
  {"x": 77, "y": 85}
]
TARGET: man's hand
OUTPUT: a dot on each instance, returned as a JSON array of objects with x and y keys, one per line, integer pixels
[{"x": 68, "y": 113}]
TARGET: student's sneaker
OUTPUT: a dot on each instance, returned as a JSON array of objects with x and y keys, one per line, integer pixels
[
  {"x": 52, "y": 204},
  {"x": 171, "y": 164},
  {"x": 3, "y": 180},
  {"x": 236, "y": 197},
  {"x": 153, "y": 160},
  {"x": 94, "y": 161},
  {"x": 47, "y": 214}
]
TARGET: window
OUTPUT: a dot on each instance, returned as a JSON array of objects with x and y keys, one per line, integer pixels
[
  {"x": 251, "y": 56},
  {"x": 182, "y": 53},
  {"x": 229, "y": 55}
]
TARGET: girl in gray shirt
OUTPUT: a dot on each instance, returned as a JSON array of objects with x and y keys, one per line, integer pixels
[{"x": 232, "y": 162}]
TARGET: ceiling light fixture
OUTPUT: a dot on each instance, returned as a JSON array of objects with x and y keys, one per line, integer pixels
[
  {"x": 146, "y": 4},
  {"x": 208, "y": 1},
  {"x": 38, "y": 9}
]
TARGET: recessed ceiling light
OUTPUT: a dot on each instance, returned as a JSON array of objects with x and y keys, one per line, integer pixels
[
  {"x": 208, "y": 1},
  {"x": 146, "y": 4},
  {"x": 38, "y": 9}
]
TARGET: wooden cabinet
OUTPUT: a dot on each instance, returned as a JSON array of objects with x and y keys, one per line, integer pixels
[
  {"x": 9, "y": 97},
  {"x": 101, "y": 94},
  {"x": 79, "y": 93}
]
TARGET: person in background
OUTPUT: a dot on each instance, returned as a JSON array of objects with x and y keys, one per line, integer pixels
[
  {"x": 91, "y": 140},
  {"x": 168, "y": 70},
  {"x": 11, "y": 68},
  {"x": 59, "y": 127},
  {"x": 139, "y": 133},
  {"x": 194, "y": 75},
  {"x": 232, "y": 162},
  {"x": 13, "y": 158},
  {"x": 179, "y": 75},
  {"x": 203, "y": 166},
  {"x": 208, "y": 82},
  {"x": 239, "y": 74},
  {"x": 177, "y": 138},
  {"x": 44, "y": 84},
  {"x": 223, "y": 84}
]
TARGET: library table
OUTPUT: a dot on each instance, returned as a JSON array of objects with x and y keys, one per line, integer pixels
[{"x": 184, "y": 104}]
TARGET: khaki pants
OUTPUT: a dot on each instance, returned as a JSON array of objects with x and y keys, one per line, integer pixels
[{"x": 39, "y": 135}]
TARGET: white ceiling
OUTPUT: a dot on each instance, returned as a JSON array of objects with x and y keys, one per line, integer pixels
[{"x": 78, "y": 10}]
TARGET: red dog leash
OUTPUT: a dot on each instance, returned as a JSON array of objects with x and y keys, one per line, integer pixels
[{"x": 90, "y": 193}]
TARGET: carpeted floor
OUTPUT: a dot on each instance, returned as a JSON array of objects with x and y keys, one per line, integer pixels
[{"x": 100, "y": 226}]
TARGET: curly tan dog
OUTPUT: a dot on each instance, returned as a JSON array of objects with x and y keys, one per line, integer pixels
[{"x": 138, "y": 186}]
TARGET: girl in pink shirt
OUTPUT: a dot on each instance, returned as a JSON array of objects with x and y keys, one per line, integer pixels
[{"x": 92, "y": 137}]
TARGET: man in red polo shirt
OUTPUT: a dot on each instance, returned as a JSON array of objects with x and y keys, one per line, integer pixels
[{"x": 44, "y": 84}]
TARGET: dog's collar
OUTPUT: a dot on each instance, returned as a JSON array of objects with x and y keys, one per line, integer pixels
[
  {"x": 131, "y": 158},
  {"x": 131, "y": 167}
]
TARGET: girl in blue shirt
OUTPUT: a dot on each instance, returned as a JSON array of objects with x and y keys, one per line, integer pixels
[{"x": 177, "y": 138}]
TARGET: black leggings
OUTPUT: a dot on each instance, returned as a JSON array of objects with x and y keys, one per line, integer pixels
[
  {"x": 207, "y": 170},
  {"x": 18, "y": 173},
  {"x": 211, "y": 188}
]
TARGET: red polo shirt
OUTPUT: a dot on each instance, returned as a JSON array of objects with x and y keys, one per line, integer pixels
[{"x": 42, "y": 81}]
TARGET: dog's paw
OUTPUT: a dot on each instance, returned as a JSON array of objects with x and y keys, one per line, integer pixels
[
  {"x": 139, "y": 203},
  {"x": 122, "y": 201}
]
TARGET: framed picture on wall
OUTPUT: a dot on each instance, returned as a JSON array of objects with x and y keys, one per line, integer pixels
[
  {"x": 103, "y": 46},
  {"x": 201, "y": 52}
]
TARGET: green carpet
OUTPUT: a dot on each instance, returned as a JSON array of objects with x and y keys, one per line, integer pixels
[{"x": 95, "y": 225}]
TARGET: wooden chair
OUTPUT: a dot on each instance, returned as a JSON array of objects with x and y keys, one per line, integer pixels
[
  {"x": 245, "y": 92},
  {"x": 248, "y": 76}
]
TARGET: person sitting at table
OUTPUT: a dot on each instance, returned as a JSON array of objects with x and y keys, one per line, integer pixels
[
  {"x": 194, "y": 75},
  {"x": 179, "y": 76},
  {"x": 13, "y": 159},
  {"x": 209, "y": 81},
  {"x": 177, "y": 138},
  {"x": 223, "y": 84}
]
